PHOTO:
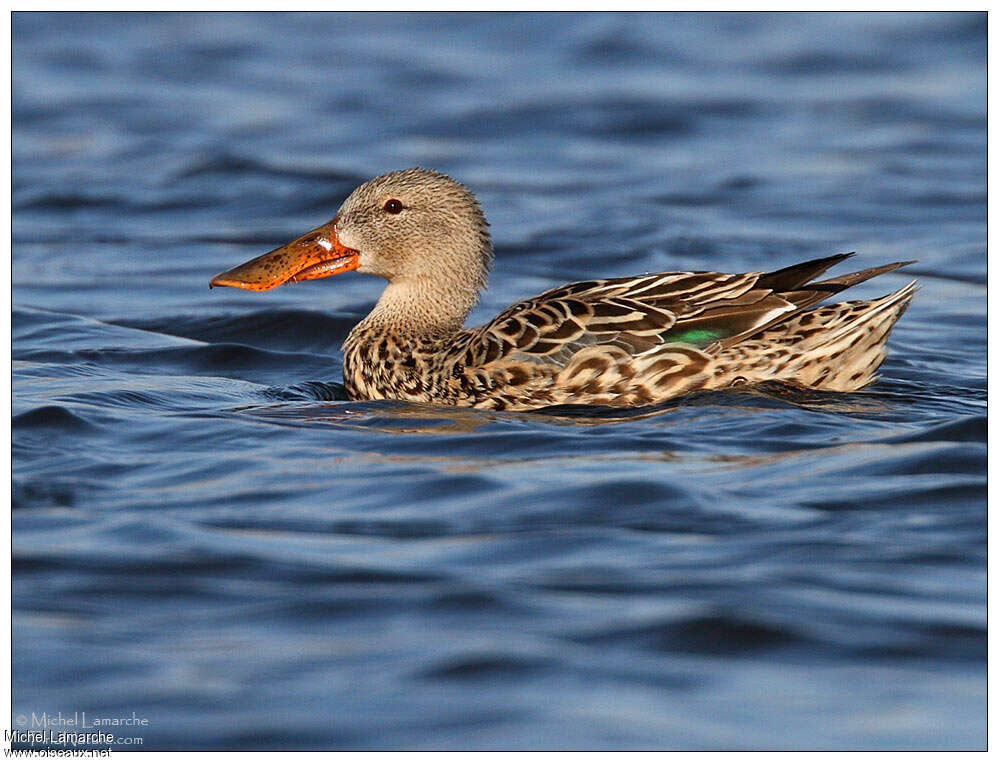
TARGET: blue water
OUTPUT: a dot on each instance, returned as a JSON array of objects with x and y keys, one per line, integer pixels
[{"x": 206, "y": 534}]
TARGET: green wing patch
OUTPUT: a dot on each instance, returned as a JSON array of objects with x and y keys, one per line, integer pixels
[{"x": 698, "y": 337}]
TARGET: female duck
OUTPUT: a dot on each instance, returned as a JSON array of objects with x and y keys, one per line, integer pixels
[{"x": 619, "y": 341}]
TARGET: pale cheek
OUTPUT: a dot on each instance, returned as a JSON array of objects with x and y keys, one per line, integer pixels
[
  {"x": 349, "y": 240},
  {"x": 369, "y": 262}
]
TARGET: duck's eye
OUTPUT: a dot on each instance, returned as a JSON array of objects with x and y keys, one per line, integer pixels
[{"x": 393, "y": 206}]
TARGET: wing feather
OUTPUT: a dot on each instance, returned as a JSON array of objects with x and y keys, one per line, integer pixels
[{"x": 647, "y": 313}]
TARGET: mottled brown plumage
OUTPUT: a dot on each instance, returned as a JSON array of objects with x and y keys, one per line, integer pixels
[{"x": 622, "y": 341}]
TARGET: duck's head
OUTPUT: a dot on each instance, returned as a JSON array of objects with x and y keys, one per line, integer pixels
[{"x": 417, "y": 228}]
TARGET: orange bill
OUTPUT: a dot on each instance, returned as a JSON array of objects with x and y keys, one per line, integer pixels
[{"x": 317, "y": 254}]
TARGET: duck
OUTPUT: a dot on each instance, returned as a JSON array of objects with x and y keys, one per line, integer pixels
[{"x": 628, "y": 342}]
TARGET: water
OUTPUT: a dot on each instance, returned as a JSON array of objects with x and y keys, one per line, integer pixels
[{"x": 206, "y": 534}]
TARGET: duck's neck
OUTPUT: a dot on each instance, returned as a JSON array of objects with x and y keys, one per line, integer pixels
[{"x": 418, "y": 309}]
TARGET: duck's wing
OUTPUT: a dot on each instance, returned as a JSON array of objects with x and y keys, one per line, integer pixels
[{"x": 643, "y": 313}]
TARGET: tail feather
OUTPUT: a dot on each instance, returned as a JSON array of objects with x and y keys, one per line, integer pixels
[
  {"x": 816, "y": 291},
  {"x": 838, "y": 347},
  {"x": 803, "y": 295},
  {"x": 847, "y": 280},
  {"x": 844, "y": 353},
  {"x": 793, "y": 276}
]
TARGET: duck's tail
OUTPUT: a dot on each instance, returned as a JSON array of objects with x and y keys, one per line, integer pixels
[{"x": 837, "y": 347}]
